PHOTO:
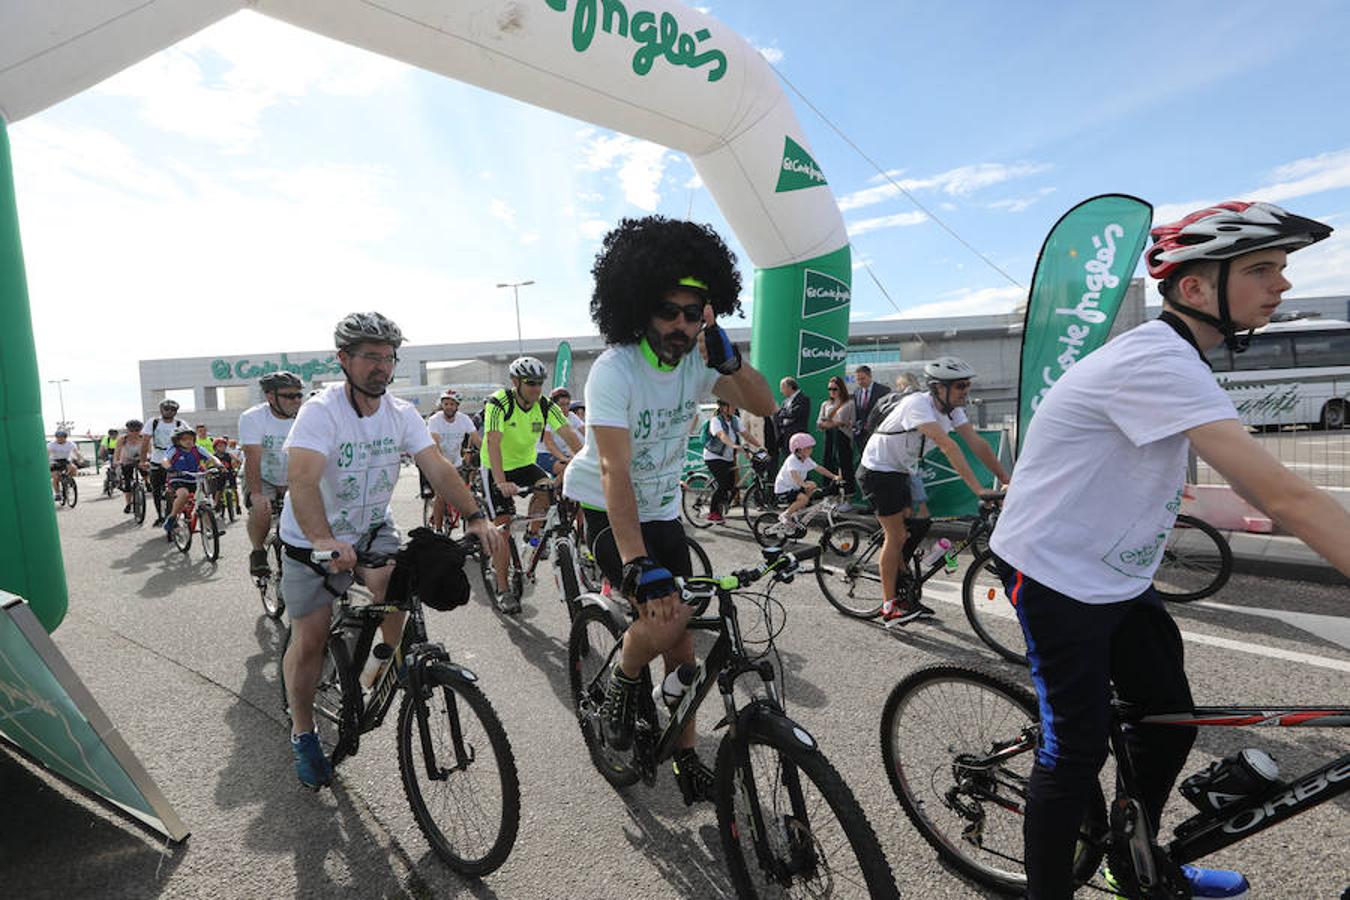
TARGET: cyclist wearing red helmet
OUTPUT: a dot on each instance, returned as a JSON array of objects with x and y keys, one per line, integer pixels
[{"x": 1096, "y": 491}]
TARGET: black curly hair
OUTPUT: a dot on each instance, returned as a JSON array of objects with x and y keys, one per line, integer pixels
[{"x": 643, "y": 258}]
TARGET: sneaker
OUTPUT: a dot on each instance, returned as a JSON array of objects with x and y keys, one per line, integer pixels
[
  {"x": 1204, "y": 883},
  {"x": 696, "y": 780},
  {"x": 618, "y": 714},
  {"x": 897, "y": 612},
  {"x": 311, "y": 766},
  {"x": 508, "y": 603},
  {"x": 715, "y": 517},
  {"x": 258, "y": 566},
  {"x": 56, "y": 498},
  {"x": 126, "y": 509}
]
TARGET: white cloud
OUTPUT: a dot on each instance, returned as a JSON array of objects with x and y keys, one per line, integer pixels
[
  {"x": 694, "y": 183},
  {"x": 772, "y": 54},
  {"x": 641, "y": 166},
  {"x": 977, "y": 302},
  {"x": 502, "y": 210},
  {"x": 593, "y": 229},
  {"x": 1019, "y": 204},
  {"x": 862, "y": 226},
  {"x": 959, "y": 182},
  {"x": 1299, "y": 178}
]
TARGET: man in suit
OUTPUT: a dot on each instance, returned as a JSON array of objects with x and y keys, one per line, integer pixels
[
  {"x": 864, "y": 398},
  {"x": 793, "y": 415}
]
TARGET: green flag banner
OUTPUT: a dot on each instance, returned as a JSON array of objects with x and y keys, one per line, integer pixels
[
  {"x": 1081, "y": 277},
  {"x": 562, "y": 366}
]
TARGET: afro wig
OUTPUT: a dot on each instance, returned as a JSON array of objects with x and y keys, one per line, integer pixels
[{"x": 644, "y": 258}]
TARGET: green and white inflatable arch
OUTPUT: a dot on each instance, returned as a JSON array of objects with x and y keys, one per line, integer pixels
[{"x": 653, "y": 69}]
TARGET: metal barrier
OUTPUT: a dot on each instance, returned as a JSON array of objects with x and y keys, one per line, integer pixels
[{"x": 1320, "y": 455}]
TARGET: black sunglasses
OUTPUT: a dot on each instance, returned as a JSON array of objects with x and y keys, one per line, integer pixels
[
  {"x": 669, "y": 312},
  {"x": 290, "y": 395},
  {"x": 532, "y": 382}
]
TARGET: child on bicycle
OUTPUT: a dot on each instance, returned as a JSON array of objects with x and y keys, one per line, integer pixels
[
  {"x": 186, "y": 457},
  {"x": 791, "y": 486}
]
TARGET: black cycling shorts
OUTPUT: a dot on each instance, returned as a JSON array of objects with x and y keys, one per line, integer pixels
[
  {"x": 888, "y": 492},
  {"x": 525, "y": 476},
  {"x": 665, "y": 542}
]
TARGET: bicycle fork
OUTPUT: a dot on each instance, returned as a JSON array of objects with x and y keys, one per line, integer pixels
[{"x": 421, "y": 659}]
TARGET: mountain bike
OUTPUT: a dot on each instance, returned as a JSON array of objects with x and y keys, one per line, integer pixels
[
  {"x": 269, "y": 586},
  {"x": 137, "y": 489},
  {"x": 786, "y": 819},
  {"x": 958, "y": 745},
  {"x": 849, "y": 572},
  {"x": 456, "y": 764},
  {"x": 1196, "y": 562},
  {"x": 199, "y": 515},
  {"x": 68, "y": 490},
  {"x": 770, "y": 532},
  {"x": 754, "y": 489}
]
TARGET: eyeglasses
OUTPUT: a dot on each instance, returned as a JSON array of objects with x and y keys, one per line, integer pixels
[
  {"x": 532, "y": 382},
  {"x": 669, "y": 312},
  {"x": 290, "y": 395},
  {"x": 834, "y": 390},
  {"x": 387, "y": 359}
]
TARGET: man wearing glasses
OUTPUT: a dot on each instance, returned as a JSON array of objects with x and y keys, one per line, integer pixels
[
  {"x": 514, "y": 420},
  {"x": 263, "y": 430},
  {"x": 892, "y": 455}
]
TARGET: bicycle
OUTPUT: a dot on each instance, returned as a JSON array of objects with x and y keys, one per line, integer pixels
[
  {"x": 1196, "y": 563},
  {"x": 138, "y": 495},
  {"x": 769, "y": 531},
  {"x": 269, "y": 586},
  {"x": 111, "y": 483},
  {"x": 754, "y": 488},
  {"x": 198, "y": 516},
  {"x": 227, "y": 496},
  {"x": 965, "y": 789},
  {"x": 849, "y": 572},
  {"x": 450, "y": 517},
  {"x": 462, "y": 770},
  {"x": 781, "y": 806},
  {"x": 68, "y": 490}
]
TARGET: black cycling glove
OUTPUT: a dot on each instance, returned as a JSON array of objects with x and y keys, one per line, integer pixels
[
  {"x": 645, "y": 578},
  {"x": 722, "y": 353}
]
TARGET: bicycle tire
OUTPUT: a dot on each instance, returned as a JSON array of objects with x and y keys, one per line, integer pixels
[
  {"x": 1197, "y": 561},
  {"x": 489, "y": 575},
  {"x": 834, "y": 820},
  {"x": 754, "y": 501},
  {"x": 335, "y": 681},
  {"x": 70, "y": 491},
  {"x": 696, "y": 499},
  {"x": 516, "y": 579},
  {"x": 700, "y": 564},
  {"x": 593, "y": 634},
  {"x": 138, "y": 503},
  {"x": 966, "y": 720},
  {"x": 769, "y": 532},
  {"x": 231, "y": 505},
  {"x": 274, "y": 604},
  {"x": 210, "y": 529},
  {"x": 847, "y": 572},
  {"x": 109, "y": 482},
  {"x": 476, "y": 845},
  {"x": 990, "y": 614},
  {"x": 182, "y": 533},
  {"x": 567, "y": 577}
]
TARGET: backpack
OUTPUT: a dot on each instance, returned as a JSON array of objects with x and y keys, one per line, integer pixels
[
  {"x": 507, "y": 405},
  {"x": 884, "y": 406},
  {"x": 432, "y": 566}
]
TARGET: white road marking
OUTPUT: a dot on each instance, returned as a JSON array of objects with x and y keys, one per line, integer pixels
[{"x": 949, "y": 593}]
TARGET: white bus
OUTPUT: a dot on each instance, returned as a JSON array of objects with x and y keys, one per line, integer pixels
[{"x": 1294, "y": 373}]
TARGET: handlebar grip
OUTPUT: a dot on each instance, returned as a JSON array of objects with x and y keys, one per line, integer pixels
[{"x": 323, "y": 556}]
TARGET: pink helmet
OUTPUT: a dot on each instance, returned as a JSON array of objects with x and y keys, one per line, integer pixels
[
  {"x": 1226, "y": 230},
  {"x": 801, "y": 440}
]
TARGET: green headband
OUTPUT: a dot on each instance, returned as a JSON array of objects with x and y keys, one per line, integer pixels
[{"x": 691, "y": 281}]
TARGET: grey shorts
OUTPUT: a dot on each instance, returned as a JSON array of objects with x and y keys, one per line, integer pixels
[
  {"x": 303, "y": 587},
  {"x": 269, "y": 490}
]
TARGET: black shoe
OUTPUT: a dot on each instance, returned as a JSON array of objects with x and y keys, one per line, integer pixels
[
  {"x": 618, "y": 714},
  {"x": 696, "y": 780},
  {"x": 257, "y": 564},
  {"x": 159, "y": 520},
  {"x": 126, "y": 509}
]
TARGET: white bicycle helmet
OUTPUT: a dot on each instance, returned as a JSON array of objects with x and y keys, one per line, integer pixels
[
  {"x": 948, "y": 368},
  {"x": 527, "y": 367},
  {"x": 356, "y": 328}
]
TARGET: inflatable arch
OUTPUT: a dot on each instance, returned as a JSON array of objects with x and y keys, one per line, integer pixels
[{"x": 654, "y": 69}]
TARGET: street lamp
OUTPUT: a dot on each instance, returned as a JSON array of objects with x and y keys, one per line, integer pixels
[
  {"x": 515, "y": 287},
  {"x": 62, "y": 398}
]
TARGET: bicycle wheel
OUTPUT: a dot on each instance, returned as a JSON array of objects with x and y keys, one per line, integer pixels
[
  {"x": 210, "y": 529},
  {"x": 699, "y": 563},
  {"x": 1196, "y": 561},
  {"x": 754, "y": 501},
  {"x": 182, "y": 532},
  {"x": 566, "y": 572},
  {"x": 696, "y": 499},
  {"x": 70, "y": 491},
  {"x": 769, "y": 532},
  {"x": 109, "y": 482},
  {"x": 138, "y": 503},
  {"x": 818, "y": 842},
  {"x": 989, "y": 612},
  {"x": 468, "y": 808},
  {"x": 231, "y": 505},
  {"x": 938, "y": 728},
  {"x": 270, "y": 588},
  {"x": 847, "y": 570},
  {"x": 594, "y": 634}
]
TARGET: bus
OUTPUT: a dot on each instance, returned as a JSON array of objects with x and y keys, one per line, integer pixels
[{"x": 1295, "y": 372}]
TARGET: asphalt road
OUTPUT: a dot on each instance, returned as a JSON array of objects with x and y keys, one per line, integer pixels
[{"x": 179, "y": 655}]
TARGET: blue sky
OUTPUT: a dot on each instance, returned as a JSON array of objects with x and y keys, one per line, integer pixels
[{"x": 249, "y": 185}]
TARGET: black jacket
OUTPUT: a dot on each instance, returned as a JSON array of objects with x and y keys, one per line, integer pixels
[
  {"x": 792, "y": 417},
  {"x": 874, "y": 393}
]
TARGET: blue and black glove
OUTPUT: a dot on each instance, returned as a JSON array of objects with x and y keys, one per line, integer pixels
[
  {"x": 722, "y": 353},
  {"x": 645, "y": 578}
]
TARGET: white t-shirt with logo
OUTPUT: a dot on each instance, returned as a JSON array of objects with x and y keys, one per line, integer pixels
[
  {"x": 452, "y": 434},
  {"x": 1100, "y": 478},
  {"x": 792, "y": 465},
  {"x": 657, "y": 408},
  {"x": 363, "y": 460},
  {"x": 715, "y": 429},
  {"x": 258, "y": 426},
  {"x": 57, "y": 451},
  {"x": 901, "y": 452},
  {"x": 161, "y": 437}
]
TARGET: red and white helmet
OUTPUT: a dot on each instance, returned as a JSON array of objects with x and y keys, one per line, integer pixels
[
  {"x": 1226, "y": 230},
  {"x": 800, "y": 440}
]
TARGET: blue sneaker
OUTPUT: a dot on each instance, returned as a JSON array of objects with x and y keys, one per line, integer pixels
[
  {"x": 311, "y": 766},
  {"x": 1204, "y": 883}
]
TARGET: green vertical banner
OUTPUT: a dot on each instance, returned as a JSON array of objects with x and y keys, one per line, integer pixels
[
  {"x": 562, "y": 366},
  {"x": 1081, "y": 278},
  {"x": 30, "y": 547},
  {"x": 800, "y": 324}
]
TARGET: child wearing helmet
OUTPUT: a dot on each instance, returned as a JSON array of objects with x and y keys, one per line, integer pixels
[
  {"x": 791, "y": 486},
  {"x": 186, "y": 457}
]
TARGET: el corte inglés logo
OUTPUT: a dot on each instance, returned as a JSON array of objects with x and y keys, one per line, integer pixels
[
  {"x": 823, "y": 293},
  {"x": 817, "y": 352},
  {"x": 798, "y": 170}
]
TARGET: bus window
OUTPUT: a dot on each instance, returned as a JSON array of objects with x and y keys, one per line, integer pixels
[
  {"x": 1319, "y": 349},
  {"x": 1267, "y": 351}
]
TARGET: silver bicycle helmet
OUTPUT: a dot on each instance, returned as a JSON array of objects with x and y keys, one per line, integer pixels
[
  {"x": 356, "y": 328},
  {"x": 527, "y": 367},
  {"x": 948, "y": 368}
]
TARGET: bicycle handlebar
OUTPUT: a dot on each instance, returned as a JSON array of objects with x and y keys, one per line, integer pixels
[{"x": 778, "y": 563}]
